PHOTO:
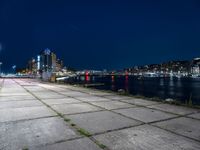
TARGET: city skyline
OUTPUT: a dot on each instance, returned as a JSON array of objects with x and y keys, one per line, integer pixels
[
  {"x": 99, "y": 35},
  {"x": 47, "y": 61}
]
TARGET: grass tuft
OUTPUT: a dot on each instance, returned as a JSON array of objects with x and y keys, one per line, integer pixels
[
  {"x": 101, "y": 145},
  {"x": 72, "y": 124},
  {"x": 59, "y": 114},
  {"x": 84, "y": 132},
  {"x": 67, "y": 120}
]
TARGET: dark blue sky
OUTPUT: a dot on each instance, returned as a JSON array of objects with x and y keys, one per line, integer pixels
[{"x": 100, "y": 34}]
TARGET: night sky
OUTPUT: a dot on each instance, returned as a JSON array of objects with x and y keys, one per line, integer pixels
[{"x": 99, "y": 34}]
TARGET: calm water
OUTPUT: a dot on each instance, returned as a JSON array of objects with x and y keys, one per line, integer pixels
[{"x": 176, "y": 88}]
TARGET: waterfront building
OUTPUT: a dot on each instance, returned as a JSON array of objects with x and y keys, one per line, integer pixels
[
  {"x": 166, "y": 68},
  {"x": 32, "y": 66},
  {"x": 59, "y": 65},
  {"x": 195, "y": 66},
  {"x": 46, "y": 61},
  {"x": 54, "y": 62}
]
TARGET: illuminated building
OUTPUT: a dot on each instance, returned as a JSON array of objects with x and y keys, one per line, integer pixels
[
  {"x": 32, "y": 66},
  {"x": 59, "y": 65},
  {"x": 48, "y": 62},
  {"x": 195, "y": 66},
  {"x": 53, "y": 58}
]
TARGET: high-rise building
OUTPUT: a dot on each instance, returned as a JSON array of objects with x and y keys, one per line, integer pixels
[
  {"x": 46, "y": 60},
  {"x": 195, "y": 66},
  {"x": 59, "y": 64},
  {"x": 32, "y": 66},
  {"x": 53, "y": 57}
]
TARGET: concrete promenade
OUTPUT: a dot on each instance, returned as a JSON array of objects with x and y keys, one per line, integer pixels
[{"x": 41, "y": 116}]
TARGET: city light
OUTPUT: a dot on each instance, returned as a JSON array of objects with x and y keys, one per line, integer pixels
[{"x": 38, "y": 62}]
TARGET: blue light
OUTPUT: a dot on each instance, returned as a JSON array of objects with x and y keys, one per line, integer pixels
[
  {"x": 47, "y": 51},
  {"x": 14, "y": 66},
  {"x": 38, "y": 62}
]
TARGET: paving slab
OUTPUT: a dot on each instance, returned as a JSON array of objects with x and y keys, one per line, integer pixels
[
  {"x": 196, "y": 116},
  {"x": 26, "y": 83},
  {"x": 112, "y": 105},
  {"x": 100, "y": 93},
  {"x": 146, "y": 137},
  {"x": 63, "y": 87},
  {"x": 60, "y": 89},
  {"x": 49, "y": 86},
  {"x": 98, "y": 122},
  {"x": 14, "y": 114},
  {"x": 145, "y": 114},
  {"x": 117, "y": 97},
  {"x": 140, "y": 102},
  {"x": 48, "y": 94},
  {"x": 47, "y": 91},
  {"x": 78, "y": 144},
  {"x": 20, "y": 126},
  {"x": 56, "y": 87},
  {"x": 14, "y": 88},
  {"x": 180, "y": 110},
  {"x": 77, "y": 88},
  {"x": 91, "y": 98},
  {"x": 14, "y": 94},
  {"x": 74, "y": 94},
  {"x": 75, "y": 108},
  {"x": 60, "y": 101},
  {"x": 16, "y": 98},
  {"x": 35, "y": 88},
  {"x": 18, "y": 90},
  {"x": 18, "y": 104},
  {"x": 185, "y": 126},
  {"x": 25, "y": 134}
]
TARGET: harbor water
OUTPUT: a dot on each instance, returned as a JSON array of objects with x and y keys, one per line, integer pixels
[{"x": 180, "y": 89}]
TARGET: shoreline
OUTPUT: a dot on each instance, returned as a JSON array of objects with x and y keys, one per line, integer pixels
[{"x": 156, "y": 99}]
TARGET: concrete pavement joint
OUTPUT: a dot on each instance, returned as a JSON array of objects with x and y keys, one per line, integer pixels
[
  {"x": 178, "y": 116},
  {"x": 175, "y": 133},
  {"x": 138, "y": 104},
  {"x": 149, "y": 123},
  {"x": 104, "y": 109},
  {"x": 78, "y": 129},
  {"x": 22, "y": 120},
  {"x": 86, "y": 112},
  {"x": 191, "y": 117},
  {"x": 146, "y": 106}
]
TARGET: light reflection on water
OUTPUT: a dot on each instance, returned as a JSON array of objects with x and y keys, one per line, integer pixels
[
  {"x": 171, "y": 86},
  {"x": 179, "y": 83},
  {"x": 176, "y": 88},
  {"x": 113, "y": 83},
  {"x": 126, "y": 85},
  {"x": 161, "y": 82}
]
